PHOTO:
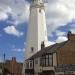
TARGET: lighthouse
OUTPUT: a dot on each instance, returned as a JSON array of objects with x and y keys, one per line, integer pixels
[{"x": 37, "y": 32}]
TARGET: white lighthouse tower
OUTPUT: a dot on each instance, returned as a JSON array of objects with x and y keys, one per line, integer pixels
[{"x": 37, "y": 32}]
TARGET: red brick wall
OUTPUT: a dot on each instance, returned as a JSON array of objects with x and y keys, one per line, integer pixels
[
  {"x": 66, "y": 54},
  {"x": 13, "y": 67}
]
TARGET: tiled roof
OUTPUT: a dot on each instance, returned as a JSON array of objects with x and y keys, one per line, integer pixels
[
  {"x": 55, "y": 47},
  {"x": 49, "y": 49}
]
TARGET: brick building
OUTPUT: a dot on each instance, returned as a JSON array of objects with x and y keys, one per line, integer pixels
[
  {"x": 12, "y": 67},
  {"x": 57, "y": 59}
]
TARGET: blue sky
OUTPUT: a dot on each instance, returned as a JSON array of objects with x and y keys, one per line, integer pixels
[{"x": 14, "y": 14}]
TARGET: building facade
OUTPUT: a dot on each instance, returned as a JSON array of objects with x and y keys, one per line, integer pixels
[
  {"x": 12, "y": 67},
  {"x": 0, "y": 71},
  {"x": 1, "y": 68},
  {"x": 57, "y": 59}
]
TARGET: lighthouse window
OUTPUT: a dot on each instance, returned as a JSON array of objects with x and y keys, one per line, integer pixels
[
  {"x": 32, "y": 49},
  {"x": 40, "y": 10}
]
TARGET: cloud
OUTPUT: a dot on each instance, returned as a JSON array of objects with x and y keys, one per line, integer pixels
[
  {"x": 4, "y": 11},
  {"x": 3, "y": 16},
  {"x": 61, "y": 36},
  {"x": 59, "y": 13},
  {"x": 18, "y": 9},
  {"x": 48, "y": 43},
  {"x": 60, "y": 33},
  {"x": 15, "y": 22},
  {"x": 18, "y": 49},
  {"x": 12, "y": 31},
  {"x": 73, "y": 30},
  {"x": 61, "y": 39}
]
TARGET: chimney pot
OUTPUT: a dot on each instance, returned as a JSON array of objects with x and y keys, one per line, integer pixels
[
  {"x": 42, "y": 45},
  {"x": 69, "y": 35},
  {"x": 13, "y": 58}
]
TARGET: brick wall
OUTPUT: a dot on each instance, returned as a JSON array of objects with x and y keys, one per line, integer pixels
[
  {"x": 66, "y": 54},
  {"x": 13, "y": 66}
]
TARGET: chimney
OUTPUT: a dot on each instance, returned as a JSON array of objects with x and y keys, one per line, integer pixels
[
  {"x": 14, "y": 59},
  {"x": 71, "y": 36},
  {"x": 42, "y": 45}
]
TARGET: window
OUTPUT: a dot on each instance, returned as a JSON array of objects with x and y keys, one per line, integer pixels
[
  {"x": 40, "y": 10},
  {"x": 46, "y": 60},
  {"x": 42, "y": 61},
  {"x": 31, "y": 64},
  {"x": 36, "y": 61},
  {"x": 32, "y": 49},
  {"x": 27, "y": 65},
  {"x": 50, "y": 59}
]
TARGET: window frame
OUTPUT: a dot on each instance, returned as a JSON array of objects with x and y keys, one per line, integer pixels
[{"x": 45, "y": 59}]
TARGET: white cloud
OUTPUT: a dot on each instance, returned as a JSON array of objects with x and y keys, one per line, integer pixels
[
  {"x": 13, "y": 22},
  {"x": 60, "y": 33},
  {"x": 61, "y": 36},
  {"x": 61, "y": 39},
  {"x": 48, "y": 43},
  {"x": 18, "y": 49},
  {"x": 73, "y": 30},
  {"x": 3, "y": 16},
  {"x": 4, "y": 11},
  {"x": 51, "y": 42},
  {"x": 12, "y": 31},
  {"x": 59, "y": 13},
  {"x": 19, "y": 9}
]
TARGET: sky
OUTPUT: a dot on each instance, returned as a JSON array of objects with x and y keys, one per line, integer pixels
[{"x": 14, "y": 20}]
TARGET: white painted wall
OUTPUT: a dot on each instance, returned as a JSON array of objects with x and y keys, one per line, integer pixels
[
  {"x": 54, "y": 59},
  {"x": 37, "y": 66}
]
